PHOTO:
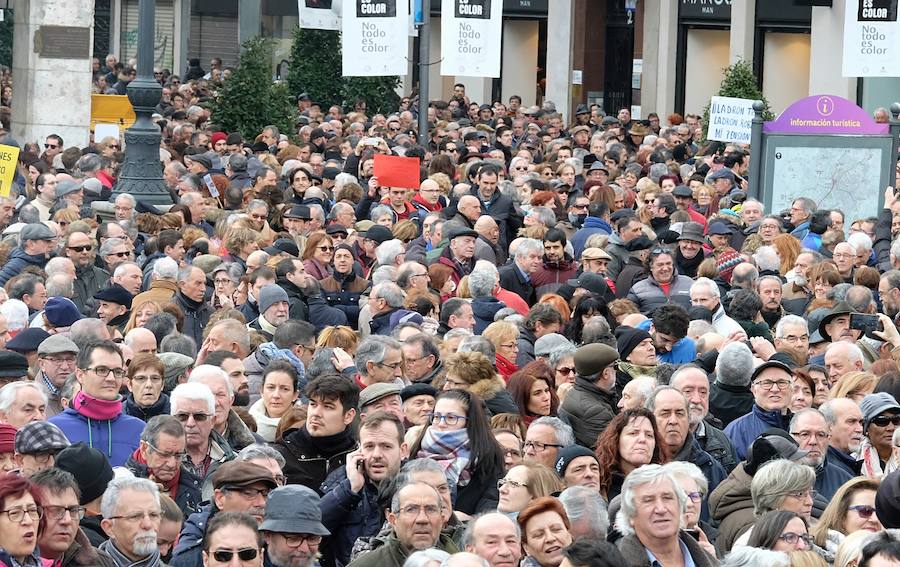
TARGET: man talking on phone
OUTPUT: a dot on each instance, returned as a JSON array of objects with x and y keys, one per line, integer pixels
[{"x": 350, "y": 502}]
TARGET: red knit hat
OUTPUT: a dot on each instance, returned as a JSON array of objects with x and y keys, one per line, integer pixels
[
  {"x": 726, "y": 261},
  {"x": 218, "y": 136},
  {"x": 7, "y": 438}
]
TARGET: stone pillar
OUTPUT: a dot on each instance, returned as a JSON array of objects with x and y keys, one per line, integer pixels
[
  {"x": 743, "y": 30},
  {"x": 560, "y": 37},
  {"x": 660, "y": 46},
  {"x": 249, "y": 24},
  {"x": 52, "y": 95},
  {"x": 827, "y": 53},
  {"x": 520, "y": 47}
]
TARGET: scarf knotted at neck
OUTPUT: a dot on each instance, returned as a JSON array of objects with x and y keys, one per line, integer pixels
[
  {"x": 431, "y": 207},
  {"x": 152, "y": 560},
  {"x": 95, "y": 408},
  {"x": 450, "y": 449},
  {"x": 636, "y": 371},
  {"x": 171, "y": 486}
]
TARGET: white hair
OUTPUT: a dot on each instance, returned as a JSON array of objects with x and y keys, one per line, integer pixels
[
  {"x": 709, "y": 284},
  {"x": 852, "y": 354},
  {"x": 206, "y": 371},
  {"x": 766, "y": 258},
  {"x": 755, "y": 557},
  {"x": 109, "y": 506},
  {"x": 388, "y": 251},
  {"x": 165, "y": 269},
  {"x": 788, "y": 320},
  {"x": 647, "y": 474},
  {"x": 192, "y": 391},
  {"x": 860, "y": 242},
  {"x": 10, "y": 392},
  {"x": 16, "y": 313}
]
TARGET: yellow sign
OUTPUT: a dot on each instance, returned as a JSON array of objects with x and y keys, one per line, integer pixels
[
  {"x": 111, "y": 109},
  {"x": 9, "y": 156}
]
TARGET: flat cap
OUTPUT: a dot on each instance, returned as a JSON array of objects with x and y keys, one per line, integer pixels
[
  {"x": 548, "y": 343},
  {"x": 417, "y": 389},
  {"x": 36, "y": 231},
  {"x": 378, "y": 391},
  {"x": 379, "y": 233},
  {"x": 285, "y": 246},
  {"x": 595, "y": 254},
  {"x": 301, "y": 212},
  {"x": 40, "y": 437},
  {"x": 61, "y": 311},
  {"x": 56, "y": 344},
  {"x": 723, "y": 173},
  {"x": 242, "y": 473},
  {"x": 456, "y": 230},
  {"x": 593, "y": 358},
  {"x": 719, "y": 228},
  {"x": 12, "y": 364}
]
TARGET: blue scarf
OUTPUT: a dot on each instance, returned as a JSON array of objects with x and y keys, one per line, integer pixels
[{"x": 272, "y": 352}]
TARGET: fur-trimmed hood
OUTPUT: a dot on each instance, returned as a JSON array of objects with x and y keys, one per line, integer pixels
[{"x": 489, "y": 388}]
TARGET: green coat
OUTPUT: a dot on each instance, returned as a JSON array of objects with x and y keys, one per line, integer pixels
[{"x": 392, "y": 554}]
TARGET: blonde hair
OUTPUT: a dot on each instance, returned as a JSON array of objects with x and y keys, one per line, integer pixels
[
  {"x": 806, "y": 558},
  {"x": 338, "y": 337},
  {"x": 849, "y": 551},
  {"x": 542, "y": 480},
  {"x": 134, "y": 312},
  {"x": 500, "y": 332},
  {"x": 853, "y": 384},
  {"x": 836, "y": 512}
]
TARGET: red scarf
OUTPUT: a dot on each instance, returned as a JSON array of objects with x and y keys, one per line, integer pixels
[
  {"x": 425, "y": 204},
  {"x": 95, "y": 408},
  {"x": 505, "y": 367},
  {"x": 171, "y": 486}
]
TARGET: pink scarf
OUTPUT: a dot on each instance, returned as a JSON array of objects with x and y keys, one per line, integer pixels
[{"x": 96, "y": 408}]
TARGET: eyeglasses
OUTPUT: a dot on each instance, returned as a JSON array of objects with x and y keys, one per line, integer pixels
[
  {"x": 393, "y": 366},
  {"x": 50, "y": 146},
  {"x": 87, "y": 248},
  {"x": 579, "y": 207},
  {"x": 167, "y": 456},
  {"x": 225, "y": 555},
  {"x": 504, "y": 481},
  {"x": 538, "y": 446},
  {"x": 695, "y": 496},
  {"x": 198, "y": 417},
  {"x": 325, "y": 248},
  {"x": 44, "y": 458},
  {"x": 414, "y": 510},
  {"x": 767, "y": 384},
  {"x": 565, "y": 370},
  {"x": 59, "y": 512},
  {"x": 60, "y": 359},
  {"x": 138, "y": 516},
  {"x": 16, "y": 515},
  {"x": 796, "y": 339},
  {"x": 119, "y": 254},
  {"x": 103, "y": 371},
  {"x": 511, "y": 345},
  {"x": 512, "y": 453},
  {"x": 884, "y": 420},
  {"x": 802, "y": 494},
  {"x": 791, "y": 538},
  {"x": 865, "y": 512},
  {"x": 448, "y": 418},
  {"x": 296, "y": 540},
  {"x": 248, "y": 492},
  {"x": 805, "y": 435}
]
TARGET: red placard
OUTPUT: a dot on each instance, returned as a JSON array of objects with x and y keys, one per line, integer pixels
[{"x": 395, "y": 171}]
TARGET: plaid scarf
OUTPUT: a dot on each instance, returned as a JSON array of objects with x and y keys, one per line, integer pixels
[{"x": 451, "y": 451}]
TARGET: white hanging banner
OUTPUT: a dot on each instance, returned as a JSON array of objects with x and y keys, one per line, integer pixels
[
  {"x": 871, "y": 39},
  {"x": 470, "y": 37},
  {"x": 319, "y": 14},
  {"x": 374, "y": 38}
]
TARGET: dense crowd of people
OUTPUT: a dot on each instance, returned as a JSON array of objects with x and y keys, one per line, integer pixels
[{"x": 570, "y": 345}]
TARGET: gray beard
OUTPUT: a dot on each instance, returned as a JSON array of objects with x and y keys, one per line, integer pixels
[{"x": 144, "y": 543}]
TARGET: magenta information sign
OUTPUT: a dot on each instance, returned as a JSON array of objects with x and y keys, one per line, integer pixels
[{"x": 824, "y": 114}]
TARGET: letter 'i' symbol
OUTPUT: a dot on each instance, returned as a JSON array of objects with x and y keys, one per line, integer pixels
[{"x": 824, "y": 109}]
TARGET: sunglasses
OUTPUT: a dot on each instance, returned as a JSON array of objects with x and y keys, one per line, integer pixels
[
  {"x": 225, "y": 555},
  {"x": 198, "y": 417},
  {"x": 50, "y": 146},
  {"x": 80, "y": 248},
  {"x": 118, "y": 254},
  {"x": 326, "y": 248},
  {"x": 884, "y": 420},
  {"x": 865, "y": 512}
]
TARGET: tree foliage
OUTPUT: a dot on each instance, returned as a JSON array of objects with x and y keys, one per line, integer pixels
[
  {"x": 250, "y": 100},
  {"x": 739, "y": 81},
  {"x": 315, "y": 68},
  {"x": 315, "y": 65}
]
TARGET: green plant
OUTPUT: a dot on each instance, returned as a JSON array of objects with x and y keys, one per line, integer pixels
[
  {"x": 249, "y": 101},
  {"x": 6, "y": 39},
  {"x": 739, "y": 81},
  {"x": 380, "y": 93},
  {"x": 315, "y": 65}
]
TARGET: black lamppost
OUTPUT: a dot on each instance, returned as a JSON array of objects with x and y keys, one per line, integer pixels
[{"x": 141, "y": 174}]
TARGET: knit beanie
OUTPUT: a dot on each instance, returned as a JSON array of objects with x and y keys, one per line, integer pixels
[
  {"x": 726, "y": 261},
  {"x": 89, "y": 467},
  {"x": 7, "y": 438},
  {"x": 628, "y": 338},
  {"x": 270, "y": 295},
  {"x": 568, "y": 454},
  {"x": 218, "y": 136}
]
